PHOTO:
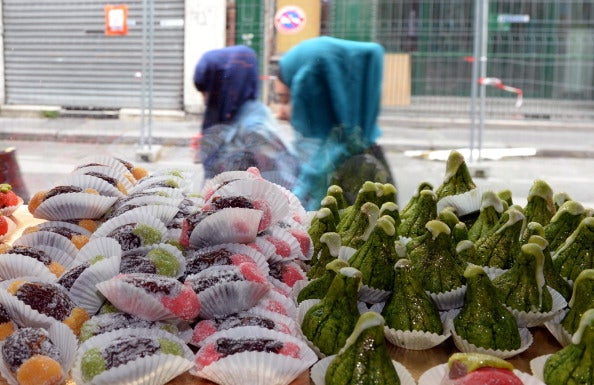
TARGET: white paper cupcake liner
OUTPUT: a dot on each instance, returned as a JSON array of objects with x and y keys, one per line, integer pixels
[
  {"x": 278, "y": 303},
  {"x": 256, "y": 368},
  {"x": 213, "y": 184},
  {"x": 230, "y": 225},
  {"x": 135, "y": 300},
  {"x": 168, "y": 181},
  {"x": 100, "y": 246},
  {"x": 466, "y": 203},
  {"x": 9, "y": 210},
  {"x": 155, "y": 369},
  {"x": 74, "y": 205},
  {"x": 241, "y": 253},
  {"x": 467, "y": 347},
  {"x": 143, "y": 200},
  {"x": 103, "y": 160},
  {"x": 165, "y": 213},
  {"x": 11, "y": 227},
  {"x": 225, "y": 298},
  {"x": 296, "y": 289},
  {"x": 171, "y": 250},
  {"x": 125, "y": 179},
  {"x": 286, "y": 246},
  {"x": 66, "y": 343},
  {"x": 265, "y": 195},
  {"x": 78, "y": 179},
  {"x": 532, "y": 319},
  {"x": 60, "y": 248},
  {"x": 437, "y": 373},
  {"x": 16, "y": 265},
  {"x": 305, "y": 242},
  {"x": 537, "y": 366},
  {"x": 449, "y": 300},
  {"x": 318, "y": 372},
  {"x": 371, "y": 295},
  {"x": 71, "y": 226},
  {"x": 554, "y": 326},
  {"x": 84, "y": 291},
  {"x": 416, "y": 339},
  {"x": 296, "y": 210}
]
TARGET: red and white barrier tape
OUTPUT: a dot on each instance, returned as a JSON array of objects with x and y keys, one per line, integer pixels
[{"x": 497, "y": 83}]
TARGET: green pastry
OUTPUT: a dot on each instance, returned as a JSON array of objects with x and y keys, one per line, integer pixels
[
  {"x": 330, "y": 322},
  {"x": 425, "y": 209},
  {"x": 413, "y": 200},
  {"x": 539, "y": 206},
  {"x": 483, "y": 320},
  {"x": 581, "y": 300},
  {"x": 492, "y": 208},
  {"x": 563, "y": 223},
  {"x": 552, "y": 276},
  {"x": 577, "y": 253},
  {"x": 318, "y": 287},
  {"x": 457, "y": 179},
  {"x": 329, "y": 248},
  {"x": 361, "y": 226},
  {"x": 365, "y": 359}
]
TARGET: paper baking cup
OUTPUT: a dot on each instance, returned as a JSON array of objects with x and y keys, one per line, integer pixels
[
  {"x": 20, "y": 312},
  {"x": 241, "y": 252},
  {"x": 68, "y": 225},
  {"x": 165, "y": 213},
  {"x": 92, "y": 182},
  {"x": 296, "y": 210},
  {"x": 437, "y": 373},
  {"x": 11, "y": 228},
  {"x": 291, "y": 272},
  {"x": 256, "y": 368},
  {"x": 167, "y": 181},
  {"x": 532, "y": 319},
  {"x": 452, "y": 299},
  {"x": 467, "y": 347},
  {"x": 318, "y": 372},
  {"x": 66, "y": 343},
  {"x": 416, "y": 339},
  {"x": 463, "y": 204},
  {"x": 100, "y": 246},
  {"x": 186, "y": 173},
  {"x": 143, "y": 200},
  {"x": 213, "y": 184},
  {"x": 285, "y": 245},
  {"x": 369, "y": 294},
  {"x": 103, "y": 160},
  {"x": 557, "y": 330},
  {"x": 134, "y": 300},
  {"x": 276, "y": 302},
  {"x": 537, "y": 366},
  {"x": 9, "y": 210},
  {"x": 139, "y": 217},
  {"x": 172, "y": 251},
  {"x": 225, "y": 298},
  {"x": 74, "y": 205},
  {"x": 265, "y": 195},
  {"x": 155, "y": 369},
  {"x": 17, "y": 265},
  {"x": 123, "y": 178},
  {"x": 84, "y": 291},
  {"x": 58, "y": 247},
  {"x": 230, "y": 225}
]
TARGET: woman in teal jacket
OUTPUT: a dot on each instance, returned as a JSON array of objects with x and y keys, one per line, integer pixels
[{"x": 334, "y": 90}]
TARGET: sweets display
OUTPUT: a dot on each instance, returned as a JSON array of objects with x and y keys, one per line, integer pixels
[{"x": 235, "y": 283}]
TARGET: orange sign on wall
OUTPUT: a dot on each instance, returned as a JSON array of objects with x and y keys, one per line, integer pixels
[{"x": 116, "y": 19}]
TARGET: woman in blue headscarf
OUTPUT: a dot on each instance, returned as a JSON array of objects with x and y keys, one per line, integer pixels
[
  {"x": 334, "y": 89},
  {"x": 238, "y": 130}
]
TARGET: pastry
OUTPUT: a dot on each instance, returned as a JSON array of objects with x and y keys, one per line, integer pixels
[{"x": 479, "y": 369}]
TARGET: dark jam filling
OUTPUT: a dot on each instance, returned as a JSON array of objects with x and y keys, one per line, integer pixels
[
  {"x": 198, "y": 217},
  {"x": 203, "y": 283},
  {"x": 125, "y": 237},
  {"x": 62, "y": 190},
  {"x": 121, "y": 210},
  {"x": 48, "y": 299},
  {"x": 68, "y": 278},
  {"x": 112, "y": 181},
  {"x": 246, "y": 320},
  {"x": 196, "y": 261},
  {"x": 4, "y": 317},
  {"x": 152, "y": 284},
  {"x": 229, "y": 346},
  {"x": 25, "y": 343},
  {"x": 225, "y": 202},
  {"x": 129, "y": 166},
  {"x": 128, "y": 349},
  {"x": 61, "y": 230},
  {"x": 276, "y": 270},
  {"x": 137, "y": 264},
  {"x": 28, "y": 251}
]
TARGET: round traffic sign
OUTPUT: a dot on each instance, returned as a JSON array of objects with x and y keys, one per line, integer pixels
[{"x": 289, "y": 19}]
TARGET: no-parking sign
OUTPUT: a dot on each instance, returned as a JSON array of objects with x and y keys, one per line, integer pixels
[{"x": 290, "y": 19}]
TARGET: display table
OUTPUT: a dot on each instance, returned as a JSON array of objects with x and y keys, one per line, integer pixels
[{"x": 417, "y": 362}]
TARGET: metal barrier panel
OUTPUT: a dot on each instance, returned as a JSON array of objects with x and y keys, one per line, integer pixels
[{"x": 543, "y": 47}]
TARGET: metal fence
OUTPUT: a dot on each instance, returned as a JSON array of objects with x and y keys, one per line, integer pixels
[{"x": 545, "y": 48}]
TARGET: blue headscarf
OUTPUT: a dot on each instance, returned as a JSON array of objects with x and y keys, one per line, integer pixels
[
  {"x": 230, "y": 77},
  {"x": 335, "y": 101}
]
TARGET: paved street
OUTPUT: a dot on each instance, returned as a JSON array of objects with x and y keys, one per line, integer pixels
[{"x": 562, "y": 159}]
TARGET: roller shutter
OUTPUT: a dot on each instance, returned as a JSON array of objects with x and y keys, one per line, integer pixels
[{"x": 56, "y": 53}]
